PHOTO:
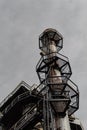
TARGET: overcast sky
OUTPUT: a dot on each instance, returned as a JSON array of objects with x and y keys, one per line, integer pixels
[{"x": 21, "y": 23}]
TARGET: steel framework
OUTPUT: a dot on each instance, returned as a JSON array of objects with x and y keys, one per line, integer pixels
[
  {"x": 61, "y": 99},
  {"x": 50, "y": 105}
]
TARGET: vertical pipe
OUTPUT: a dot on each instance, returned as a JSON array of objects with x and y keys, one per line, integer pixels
[
  {"x": 47, "y": 102},
  {"x": 61, "y": 123},
  {"x": 44, "y": 113},
  {"x": 52, "y": 119}
]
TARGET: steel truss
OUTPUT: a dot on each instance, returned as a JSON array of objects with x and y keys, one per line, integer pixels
[{"x": 55, "y": 99}]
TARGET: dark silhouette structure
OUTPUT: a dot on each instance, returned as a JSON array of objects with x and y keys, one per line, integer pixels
[{"x": 50, "y": 105}]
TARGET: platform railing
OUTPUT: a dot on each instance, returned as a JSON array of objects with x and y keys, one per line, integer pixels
[
  {"x": 44, "y": 57},
  {"x": 17, "y": 99},
  {"x": 26, "y": 117},
  {"x": 11, "y": 94}
]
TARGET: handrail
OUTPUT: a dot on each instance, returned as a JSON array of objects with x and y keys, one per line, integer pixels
[
  {"x": 64, "y": 79},
  {"x": 29, "y": 114},
  {"x": 11, "y": 94},
  {"x": 18, "y": 98},
  {"x": 73, "y": 86},
  {"x": 60, "y": 56}
]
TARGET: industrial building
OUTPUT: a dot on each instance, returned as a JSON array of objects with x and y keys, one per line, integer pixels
[{"x": 51, "y": 104}]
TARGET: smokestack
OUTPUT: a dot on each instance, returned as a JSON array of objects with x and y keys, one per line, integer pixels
[{"x": 54, "y": 72}]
